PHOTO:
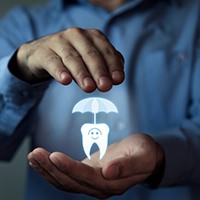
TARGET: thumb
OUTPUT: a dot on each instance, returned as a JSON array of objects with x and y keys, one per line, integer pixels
[{"x": 119, "y": 168}]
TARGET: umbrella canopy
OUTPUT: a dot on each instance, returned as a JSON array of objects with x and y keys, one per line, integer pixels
[{"x": 95, "y": 105}]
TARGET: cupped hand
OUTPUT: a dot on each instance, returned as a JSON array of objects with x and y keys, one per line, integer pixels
[
  {"x": 83, "y": 55},
  {"x": 125, "y": 164}
]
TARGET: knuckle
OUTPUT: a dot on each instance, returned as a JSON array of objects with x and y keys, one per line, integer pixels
[
  {"x": 26, "y": 51},
  {"x": 110, "y": 52},
  {"x": 80, "y": 74},
  {"x": 52, "y": 58},
  {"x": 101, "y": 72},
  {"x": 74, "y": 31},
  {"x": 58, "y": 37},
  {"x": 70, "y": 54},
  {"x": 23, "y": 49},
  {"x": 92, "y": 52},
  {"x": 97, "y": 33}
]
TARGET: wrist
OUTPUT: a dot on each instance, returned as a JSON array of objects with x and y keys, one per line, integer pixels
[{"x": 20, "y": 71}]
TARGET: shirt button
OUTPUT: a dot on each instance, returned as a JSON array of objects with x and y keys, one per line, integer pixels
[{"x": 1, "y": 101}]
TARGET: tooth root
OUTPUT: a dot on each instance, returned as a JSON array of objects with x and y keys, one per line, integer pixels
[
  {"x": 103, "y": 148},
  {"x": 87, "y": 146},
  {"x": 103, "y": 140}
]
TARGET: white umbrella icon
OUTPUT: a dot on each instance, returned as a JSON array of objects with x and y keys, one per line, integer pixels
[
  {"x": 95, "y": 105},
  {"x": 95, "y": 133}
]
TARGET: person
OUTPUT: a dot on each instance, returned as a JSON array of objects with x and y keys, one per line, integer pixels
[{"x": 141, "y": 55}]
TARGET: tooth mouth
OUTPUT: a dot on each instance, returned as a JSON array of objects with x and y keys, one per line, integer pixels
[
  {"x": 94, "y": 138},
  {"x": 95, "y": 133}
]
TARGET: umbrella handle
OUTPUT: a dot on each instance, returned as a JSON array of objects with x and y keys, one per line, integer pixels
[{"x": 95, "y": 118}]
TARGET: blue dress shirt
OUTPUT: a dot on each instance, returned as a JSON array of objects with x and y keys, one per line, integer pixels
[{"x": 160, "y": 96}]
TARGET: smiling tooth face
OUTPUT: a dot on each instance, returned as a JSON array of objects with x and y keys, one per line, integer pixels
[{"x": 95, "y": 133}]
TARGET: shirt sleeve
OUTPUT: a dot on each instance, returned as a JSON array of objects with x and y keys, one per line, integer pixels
[
  {"x": 16, "y": 99},
  {"x": 16, "y": 96}
]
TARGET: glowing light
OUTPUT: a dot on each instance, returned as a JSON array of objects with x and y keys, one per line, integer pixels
[{"x": 95, "y": 133}]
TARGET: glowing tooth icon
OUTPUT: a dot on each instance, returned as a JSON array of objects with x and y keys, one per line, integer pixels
[{"x": 95, "y": 133}]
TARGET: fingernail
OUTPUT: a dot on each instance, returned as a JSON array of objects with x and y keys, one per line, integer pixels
[
  {"x": 33, "y": 164},
  {"x": 117, "y": 77},
  {"x": 88, "y": 82},
  {"x": 65, "y": 77},
  {"x": 104, "y": 83}
]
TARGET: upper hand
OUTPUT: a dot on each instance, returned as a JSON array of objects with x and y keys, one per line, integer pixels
[
  {"x": 124, "y": 165},
  {"x": 83, "y": 55}
]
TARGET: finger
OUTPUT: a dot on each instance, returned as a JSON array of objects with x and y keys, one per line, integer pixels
[
  {"x": 39, "y": 160},
  {"x": 85, "y": 184},
  {"x": 33, "y": 162},
  {"x": 75, "y": 176},
  {"x": 116, "y": 67},
  {"x": 93, "y": 59},
  {"x": 125, "y": 167},
  {"x": 113, "y": 58},
  {"x": 74, "y": 63},
  {"x": 75, "y": 170},
  {"x": 92, "y": 178},
  {"x": 53, "y": 64}
]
